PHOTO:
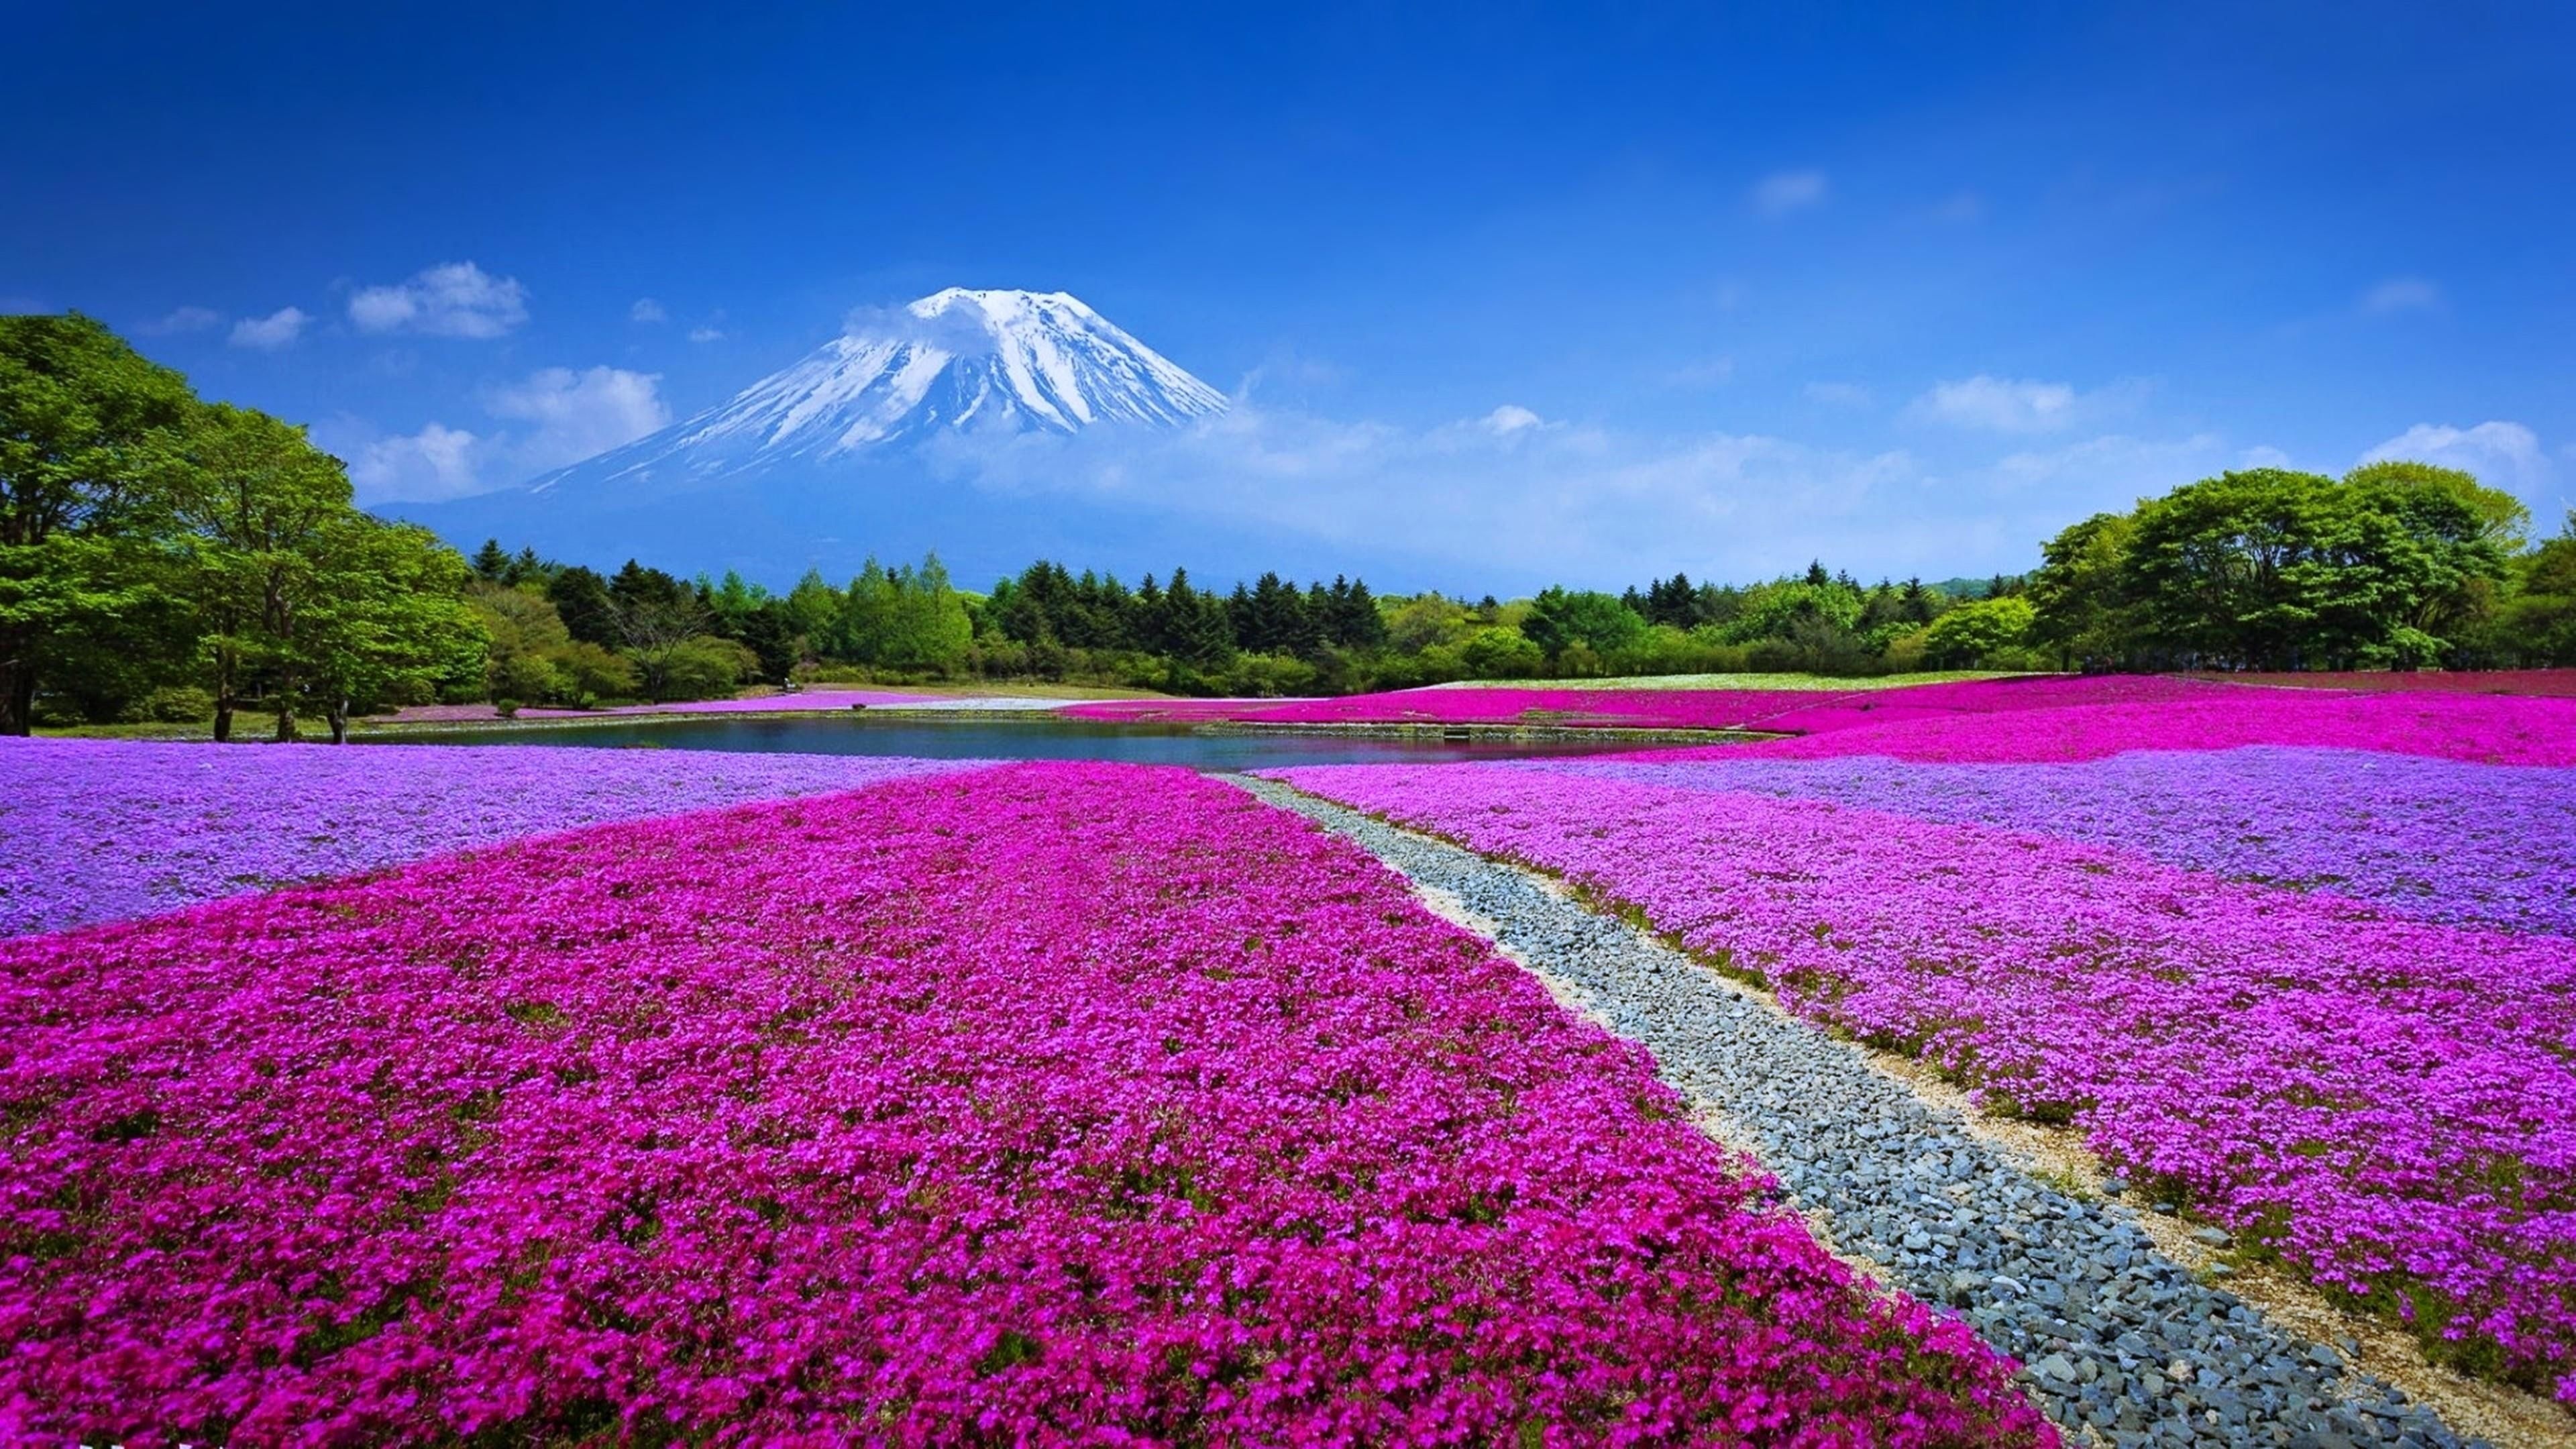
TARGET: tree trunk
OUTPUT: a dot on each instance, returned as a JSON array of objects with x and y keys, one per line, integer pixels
[
  {"x": 286, "y": 710},
  {"x": 17, "y": 698},
  {"x": 224, "y": 696},
  {"x": 338, "y": 714}
]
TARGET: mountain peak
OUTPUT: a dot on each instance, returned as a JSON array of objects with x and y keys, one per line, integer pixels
[{"x": 958, "y": 360}]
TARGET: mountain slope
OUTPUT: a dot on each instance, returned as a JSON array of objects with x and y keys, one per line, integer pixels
[
  {"x": 956, "y": 360},
  {"x": 827, "y": 460}
]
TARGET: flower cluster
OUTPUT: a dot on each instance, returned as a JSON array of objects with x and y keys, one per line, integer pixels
[
  {"x": 2389, "y": 1104},
  {"x": 1018, "y": 1105},
  {"x": 2480, "y": 728},
  {"x": 2432, "y": 839},
  {"x": 2048, "y": 717},
  {"x": 1755, "y": 709},
  {"x": 102, "y": 830}
]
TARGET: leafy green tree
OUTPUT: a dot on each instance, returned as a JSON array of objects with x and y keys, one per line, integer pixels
[
  {"x": 384, "y": 621},
  {"x": 90, "y": 437},
  {"x": 2081, "y": 611},
  {"x": 2536, "y": 623},
  {"x": 1560, "y": 619},
  {"x": 1794, "y": 607},
  {"x": 1990, "y": 632},
  {"x": 904, "y": 618},
  {"x": 1498, "y": 653},
  {"x": 260, "y": 520},
  {"x": 2272, "y": 569}
]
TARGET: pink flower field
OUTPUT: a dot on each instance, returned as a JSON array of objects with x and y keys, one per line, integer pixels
[
  {"x": 1029, "y": 1103},
  {"x": 2381, "y": 1097},
  {"x": 2001, "y": 720}
]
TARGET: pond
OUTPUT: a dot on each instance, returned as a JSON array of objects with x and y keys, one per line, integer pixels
[{"x": 1030, "y": 737}]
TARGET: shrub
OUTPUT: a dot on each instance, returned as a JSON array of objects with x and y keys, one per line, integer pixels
[{"x": 176, "y": 704}]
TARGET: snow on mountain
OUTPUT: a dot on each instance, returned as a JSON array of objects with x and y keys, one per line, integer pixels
[{"x": 957, "y": 360}]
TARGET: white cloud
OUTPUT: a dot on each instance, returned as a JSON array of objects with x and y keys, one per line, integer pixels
[
  {"x": 1551, "y": 500},
  {"x": 1781, "y": 193},
  {"x": 571, "y": 415},
  {"x": 577, "y": 413},
  {"x": 1838, "y": 394},
  {"x": 647, "y": 310},
  {"x": 1711, "y": 372},
  {"x": 706, "y": 334},
  {"x": 183, "y": 319},
  {"x": 2401, "y": 294},
  {"x": 277, "y": 330},
  {"x": 453, "y": 299},
  {"x": 1997, "y": 404},
  {"x": 2501, "y": 454},
  {"x": 430, "y": 466},
  {"x": 2261, "y": 456}
]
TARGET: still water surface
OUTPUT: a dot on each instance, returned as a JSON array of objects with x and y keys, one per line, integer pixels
[{"x": 1035, "y": 738}]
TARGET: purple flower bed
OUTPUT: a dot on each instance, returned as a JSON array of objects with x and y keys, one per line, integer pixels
[
  {"x": 2389, "y": 1105},
  {"x": 1047, "y": 1104},
  {"x": 2432, "y": 839},
  {"x": 102, "y": 830}
]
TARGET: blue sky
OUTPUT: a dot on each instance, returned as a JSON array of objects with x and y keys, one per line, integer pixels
[{"x": 1907, "y": 289}]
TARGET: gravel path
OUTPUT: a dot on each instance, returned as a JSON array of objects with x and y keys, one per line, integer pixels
[{"x": 2122, "y": 1345}]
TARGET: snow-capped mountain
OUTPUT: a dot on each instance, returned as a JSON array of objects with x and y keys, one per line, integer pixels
[
  {"x": 876, "y": 444},
  {"x": 954, "y": 361}
]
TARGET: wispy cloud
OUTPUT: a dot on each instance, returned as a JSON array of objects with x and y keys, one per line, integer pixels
[
  {"x": 569, "y": 415},
  {"x": 1554, "y": 500},
  {"x": 1997, "y": 405},
  {"x": 706, "y": 334},
  {"x": 2399, "y": 295},
  {"x": 1838, "y": 394},
  {"x": 1706, "y": 373},
  {"x": 272, "y": 333},
  {"x": 453, "y": 299},
  {"x": 1785, "y": 192},
  {"x": 2502, "y": 454},
  {"x": 648, "y": 311},
  {"x": 578, "y": 413},
  {"x": 183, "y": 319},
  {"x": 1957, "y": 209},
  {"x": 431, "y": 466}
]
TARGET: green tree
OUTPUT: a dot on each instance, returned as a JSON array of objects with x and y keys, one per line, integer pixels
[
  {"x": 1498, "y": 653},
  {"x": 582, "y": 601},
  {"x": 384, "y": 621},
  {"x": 90, "y": 436},
  {"x": 904, "y": 618},
  {"x": 2081, "y": 611},
  {"x": 1559, "y": 619},
  {"x": 260, "y": 520},
  {"x": 1989, "y": 632},
  {"x": 2272, "y": 569}
]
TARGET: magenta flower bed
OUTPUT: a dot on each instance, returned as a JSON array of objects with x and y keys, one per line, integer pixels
[
  {"x": 2390, "y": 1105},
  {"x": 1044, "y": 1102},
  {"x": 1764, "y": 709},
  {"x": 2050, "y": 717},
  {"x": 2483, "y": 729},
  {"x": 102, "y": 830},
  {"x": 2437, "y": 840}
]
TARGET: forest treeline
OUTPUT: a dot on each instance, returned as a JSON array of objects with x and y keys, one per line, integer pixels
[{"x": 162, "y": 557}]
